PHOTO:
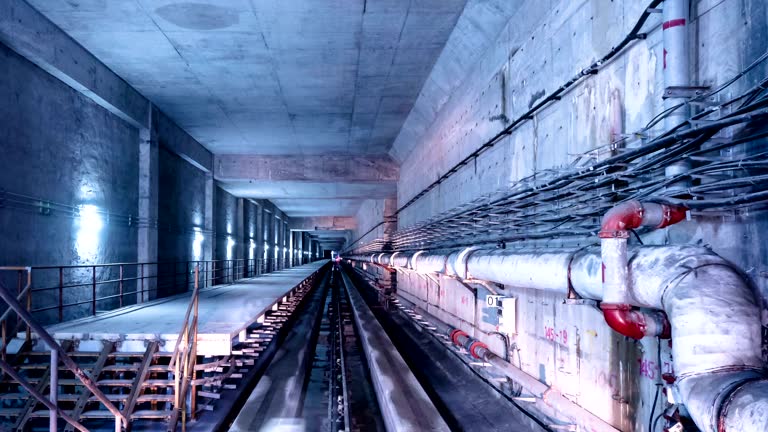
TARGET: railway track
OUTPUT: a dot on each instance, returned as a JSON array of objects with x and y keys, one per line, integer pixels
[{"x": 337, "y": 371}]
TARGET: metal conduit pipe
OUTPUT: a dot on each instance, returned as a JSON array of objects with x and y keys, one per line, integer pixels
[
  {"x": 713, "y": 311},
  {"x": 548, "y": 395},
  {"x": 676, "y": 72}
]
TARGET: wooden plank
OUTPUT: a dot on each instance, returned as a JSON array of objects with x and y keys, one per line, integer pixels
[{"x": 85, "y": 394}]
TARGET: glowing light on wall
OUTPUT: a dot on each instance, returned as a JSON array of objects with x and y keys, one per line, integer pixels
[
  {"x": 197, "y": 244},
  {"x": 230, "y": 246},
  {"x": 90, "y": 224},
  {"x": 251, "y": 249}
]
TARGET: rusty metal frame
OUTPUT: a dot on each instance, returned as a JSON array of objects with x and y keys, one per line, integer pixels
[
  {"x": 138, "y": 382},
  {"x": 33, "y": 325},
  {"x": 39, "y": 396},
  {"x": 82, "y": 401},
  {"x": 184, "y": 359},
  {"x": 29, "y": 404}
]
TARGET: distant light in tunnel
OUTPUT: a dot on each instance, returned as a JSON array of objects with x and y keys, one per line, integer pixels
[
  {"x": 230, "y": 246},
  {"x": 197, "y": 244},
  {"x": 90, "y": 225},
  {"x": 251, "y": 248}
]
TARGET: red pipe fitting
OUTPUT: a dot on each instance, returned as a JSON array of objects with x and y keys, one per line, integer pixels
[
  {"x": 620, "y": 219},
  {"x": 622, "y": 319},
  {"x": 633, "y": 214},
  {"x": 474, "y": 347},
  {"x": 633, "y": 323},
  {"x": 455, "y": 334}
]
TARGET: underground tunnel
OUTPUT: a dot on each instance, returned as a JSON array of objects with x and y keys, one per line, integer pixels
[{"x": 384, "y": 215}]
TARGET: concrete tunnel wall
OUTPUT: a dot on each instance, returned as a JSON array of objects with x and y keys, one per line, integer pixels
[
  {"x": 66, "y": 150},
  {"x": 538, "y": 47}
]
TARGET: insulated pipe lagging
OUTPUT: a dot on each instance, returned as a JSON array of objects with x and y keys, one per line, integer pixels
[{"x": 713, "y": 312}]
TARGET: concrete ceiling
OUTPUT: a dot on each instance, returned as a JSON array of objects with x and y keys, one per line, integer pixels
[
  {"x": 268, "y": 76},
  {"x": 274, "y": 77}
]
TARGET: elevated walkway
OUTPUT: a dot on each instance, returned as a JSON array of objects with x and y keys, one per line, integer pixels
[{"x": 225, "y": 311}]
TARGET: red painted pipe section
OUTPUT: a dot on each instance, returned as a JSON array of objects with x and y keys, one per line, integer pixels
[
  {"x": 614, "y": 232},
  {"x": 630, "y": 215},
  {"x": 636, "y": 323},
  {"x": 474, "y": 346}
]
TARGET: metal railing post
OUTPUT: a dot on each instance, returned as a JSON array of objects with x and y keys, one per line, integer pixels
[
  {"x": 142, "y": 282},
  {"x": 121, "y": 285},
  {"x": 93, "y": 286},
  {"x": 54, "y": 390},
  {"x": 5, "y": 341},
  {"x": 61, "y": 294},
  {"x": 28, "y": 288}
]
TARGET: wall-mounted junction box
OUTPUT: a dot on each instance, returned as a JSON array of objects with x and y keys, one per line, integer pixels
[{"x": 507, "y": 312}]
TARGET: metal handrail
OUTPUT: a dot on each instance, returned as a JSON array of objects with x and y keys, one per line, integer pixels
[
  {"x": 39, "y": 396},
  {"x": 115, "y": 285},
  {"x": 25, "y": 292},
  {"x": 185, "y": 356},
  {"x": 33, "y": 325}
]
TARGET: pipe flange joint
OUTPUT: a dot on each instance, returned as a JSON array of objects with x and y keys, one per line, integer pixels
[
  {"x": 475, "y": 346},
  {"x": 455, "y": 334}
]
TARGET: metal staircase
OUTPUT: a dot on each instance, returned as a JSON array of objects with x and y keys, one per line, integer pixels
[{"x": 106, "y": 389}]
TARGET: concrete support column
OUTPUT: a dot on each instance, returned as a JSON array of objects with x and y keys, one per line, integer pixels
[
  {"x": 286, "y": 243},
  {"x": 269, "y": 240},
  {"x": 209, "y": 232},
  {"x": 312, "y": 246},
  {"x": 291, "y": 262},
  {"x": 259, "y": 238},
  {"x": 299, "y": 247},
  {"x": 149, "y": 171},
  {"x": 240, "y": 245},
  {"x": 279, "y": 239}
]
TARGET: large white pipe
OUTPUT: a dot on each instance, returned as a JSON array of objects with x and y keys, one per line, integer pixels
[{"x": 713, "y": 310}]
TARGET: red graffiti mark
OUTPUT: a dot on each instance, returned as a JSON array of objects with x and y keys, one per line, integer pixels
[
  {"x": 552, "y": 334},
  {"x": 647, "y": 368}
]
